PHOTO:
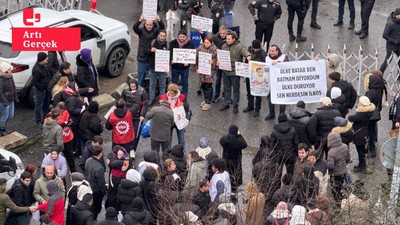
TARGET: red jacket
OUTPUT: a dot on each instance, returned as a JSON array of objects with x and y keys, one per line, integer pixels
[
  {"x": 123, "y": 131},
  {"x": 178, "y": 102},
  {"x": 58, "y": 211},
  {"x": 67, "y": 132}
]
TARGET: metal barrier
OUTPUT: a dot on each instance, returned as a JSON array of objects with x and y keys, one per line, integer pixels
[{"x": 9, "y": 6}]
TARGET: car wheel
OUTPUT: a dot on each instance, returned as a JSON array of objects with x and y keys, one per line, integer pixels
[{"x": 116, "y": 62}]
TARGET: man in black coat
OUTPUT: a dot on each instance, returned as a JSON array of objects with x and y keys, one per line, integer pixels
[
  {"x": 392, "y": 36},
  {"x": 298, "y": 117},
  {"x": 20, "y": 195},
  {"x": 40, "y": 81},
  {"x": 201, "y": 197},
  {"x": 111, "y": 217},
  {"x": 347, "y": 90},
  {"x": 82, "y": 213}
]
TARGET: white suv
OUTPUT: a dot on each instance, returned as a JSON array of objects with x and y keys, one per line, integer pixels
[
  {"x": 108, "y": 39},
  {"x": 11, "y": 166}
]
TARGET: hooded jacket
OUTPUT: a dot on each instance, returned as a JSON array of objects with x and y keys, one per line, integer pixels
[
  {"x": 82, "y": 214},
  {"x": 87, "y": 76},
  {"x": 40, "y": 192},
  {"x": 8, "y": 92},
  {"x": 346, "y": 132},
  {"x": 392, "y": 33},
  {"x": 150, "y": 189},
  {"x": 76, "y": 192},
  {"x": 145, "y": 38},
  {"x": 89, "y": 124},
  {"x": 197, "y": 172},
  {"x": 321, "y": 123},
  {"x": 121, "y": 124},
  {"x": 137, "y": 214},
  {"x": 284, "y": 140},
  {"x": 339, "y": 104},
  {"x": 127, "y": 191},
  {"x": 55, "y": 205},
  {"x": 237, "y": 52},
  {"x": 360, "y": 123},
  {"x": 162, "y": 122},
  {"x": 7, "y": 203},
  {"x": 375, "y": 91},
  {"x": 136, "y": 101},
  {"x": 298, "y": 118},
  {"x": 338, "y": 155},
  {"x": 52, "y": 134}
]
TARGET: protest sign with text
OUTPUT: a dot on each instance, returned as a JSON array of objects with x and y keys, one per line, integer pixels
[
  {"x": 242, "y": 69},
  {"x": 161, "y": 61},
  {"x": 224, "y": 60},
  {"x": 259, "y": 78},
  {"x": 150, "y": 9},
  {"x": 199, "y": 22},
  {"x": 298, "y": 80},
  {"x": 184, "y": 55},
  {"x": 204, "y": 63}
]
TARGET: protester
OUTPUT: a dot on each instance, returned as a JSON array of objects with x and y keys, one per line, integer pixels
[
  {"x": 220, "y": 181},
  {"x": 20, "y": 195},
  {"x": 298, "y": 117},
  {"x": 54, "y": 207},
  {"x": 392, "y": 36},
  {"x": 138, "y": 214},
  {"x": 128, "y": 190},
  {"x": 87, "y": 75},
  {"x": 301, "y": 162},
  {"x": 196, "y": 171},
  {"x": 57, "y": 161},
  {"x": 111, "y": 217},
  {"x": 150, "y": 189},
  {"x": 82, "y": 212},
  {"x": 41, "y": 193},
  {"x": 208, "y": 154},
  {"x": 8, "y": 95},
  {"x": 88, "y": 151},
  {"x": 40, "y": 80},
  {"x": 52, "y": 133},
  {"x": 90, "y": 124},
  {"x": 320, "y": 171},
  {"x": 79, "y": 188},
  {"x": 64, "y": 121}
]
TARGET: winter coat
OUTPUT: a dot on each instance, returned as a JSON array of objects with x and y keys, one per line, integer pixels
[
  {"x": 82, "y": 214},
  {"x": 374, "y": 93},
  {"x": 137, "y": 218},
  {"x": 338, "y": 155},
  {"x": 321, "y": 123},
  {"x": 145, "y": 38},
  {"x": 213, "y": 51},
  {"x": 177, "y": 154},
  {"x": 283, "y": 142},
  {"x": 137, "y": 102},
  {"x": 218, "y": 41},
  {"x": 232, "y": 147},
  {"x": 74, "y": 105},
  {"x": 209, "y": 155},
  {"x": 162, "y": 122},
  {"x": 175, "y": 44},
  {"x": 127, "y": 192},
  {"x": 298, "y": 118},
  {"x": 360, "y": 123},
  {"x": 58, "y": 211},
  {"x": 347, "y": 90},
  {"x": 280, "y": 195},
  {"x": 87, "y": 77},
  {"x": 391, "y": 33},
  {"x": 60, "y": 164},
  {"x": 268, "y": 178},
  {"x": 150, "y": 189},
  {"x": 203, "y": 200},
  {"x": 94, "y": 173},
  {"x": 152, "y": 55},
  {"x": 40, "y": 192},
  {"x": 56, "y": 77},
  {"x": 109, "y": 221},
  {"x": 267, "y": 12},
  {"x": 7, "y": 203},
  {"x": 197, "y": 173},
  {"x": 89, "y": 125},
  {"x": 237, "y": 52},
  {"x": 20, "y": 195},
  {"x": 52, "y": 134},
  {"x": 339, "y": 104},
  {"x": 304, "y": 189},
  {"x": 346, "y": 133},
  {"x": 263, "y": 151},
  {"x": 40, "y": 77},
  {"x": 86, "y": 154},
  {"x": 254, "y": 208},
  {"x": 121, "y": 123},
  {"x": 8, "y": 93}
]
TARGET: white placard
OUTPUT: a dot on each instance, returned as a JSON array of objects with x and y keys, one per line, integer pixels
[
  {"x": 199, "y": 22},
  {"x": 184, "y": 55},
  {"x": 224, "y": 60},
  {"x": 149, "y": 9},
  {"x": 259, "y": 78},
  {"x": 298, "y": 80},
  {"x": 242, "y": 69},
  {"x": 162, "y": 61},
  {"x": 111, "y": 110},
  {"x": 204, "y": 63}
]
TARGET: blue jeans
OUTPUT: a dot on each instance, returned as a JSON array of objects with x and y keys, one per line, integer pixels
[
  {"x": 352, "y": 10},
  {"x": 184, "y": 79},
  {"x": 218, "y": 84},
  {"x": 142, "y": 70},
  {"x": 42, "y": 102},
  {"x": 161, "y": 77},
  {"x": 180, "y": 135},
  {"x": 231, "y": 82},
  {"x": 7, "y": 113}
]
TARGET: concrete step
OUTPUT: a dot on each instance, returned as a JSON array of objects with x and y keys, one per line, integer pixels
[
  {"x": 12, "y": 140},
  {"x": 105, "y": 101}
]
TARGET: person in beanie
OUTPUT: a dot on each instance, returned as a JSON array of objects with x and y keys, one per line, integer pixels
[
  {"x": 40, "y": 82},
  {"x": 90, "y": 124},
  {"x": 111, "y": 217},
  {"x": 54, "y": 207},
  {"x": 82, "y": 213},
  {"x": 338, "y": 101},
  {"x": 180, "y": 72},
  {"x": 128, "y": 190},
  {"x": 86, "y": 75},
  {"x": 347, "y": 89},
  {"x": 8, "y": 95},
  {"x": 392, "y": 36},
  {"x": 257, "y": 54},
  {"x": 207, "y": 153},
  {"x": 79, "y": 188},
  {"x": 344, "y": 128},
  {"x": 360, "y": 121},
  {"x": 138, "y": 214},
  {"x": 298, "y": 118}
]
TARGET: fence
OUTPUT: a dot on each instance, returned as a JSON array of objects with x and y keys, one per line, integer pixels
[
  {"x": 355, "y": 65},
  {"x": 9, "y": 6}
]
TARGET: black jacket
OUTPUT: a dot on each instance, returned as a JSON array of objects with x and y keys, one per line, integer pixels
[
  {"x": 150, "y": 189},
  {"x": 109, "y": 221},
  {"x": 268, "y": 177},
  {"x": 40, "y": 77},
  {"x": 392, "y": 33},
  {"x": 347, "y": 90},
  {"x": 8, "y": 92},
  {"x": 145, "y": 38},
  {"x": 259, "y": 56},
  {"x": 86, "y": 154},
  {"x": 89, "y": 125},
  {"x": 85, "y": 77},
  {"x": 152, "y": 55},
  {"x": 202, "y": 199},
  {"x": 298, "y": 118},
  {"x": 127, "y": 192},
  {"x": 232, "y": 146},
  {"x": 137, "y": 218},
  {"x": 281, "y": 195},
  {"x": 20, "y": 195},
  {"x": 82, "y": 214},
  {"x": 283, "y": 141},
  {"x": 174, "y": 44},
  {"x": 321, "y": 123},
  {"x": 94, "y": 173},
  {"x": 375, "y": 91},
  {"x": 360, "y": 123},
  {"x": 137, "y": 102},
  {"x": 339, "y": 104},
  {"x": 268, "y": 12}
]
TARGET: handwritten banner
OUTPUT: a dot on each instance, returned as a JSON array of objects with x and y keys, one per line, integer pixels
[
  {"x": 149, "y": 9},
  {"x": 204, "y": 63},
  {"x": 162, "y": 61},
  {"x": 242, "y": 69},
  {"x": 224, "y": 60},
  {"x": 183, "y": 55},
  {"x": 259, "y": 78},
  {"x": 199, "y": 22},
  {"x": 298, "y": 80}
]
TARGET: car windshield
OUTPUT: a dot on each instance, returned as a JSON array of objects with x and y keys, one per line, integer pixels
[{"x": 6, "y": 52}]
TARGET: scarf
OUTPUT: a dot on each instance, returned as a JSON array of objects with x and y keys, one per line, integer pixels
[
  {"x": 181, "y": 44},
  {"x": 173, "y": 99},
  {"x": 55, "y": 195}
]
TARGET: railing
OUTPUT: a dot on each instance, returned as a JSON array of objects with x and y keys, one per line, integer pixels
[{"x": 8, "y": 6}]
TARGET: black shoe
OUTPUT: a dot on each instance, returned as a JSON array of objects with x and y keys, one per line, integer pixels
[
  {"x": 301, "y": 38},
  {"x": 315, "y": 25},
  {"x": 351, "y": 26},
  {"x": 292, "y": 37},
  {"x": 235, "y": 110},
  {"x": 363, "y": 35},
  {"x": 358, "y": 169},
  {"x": 270, "y": 117},
  {"x": 256, "y": 113},
  {"x": 357, "y": 32},
  {"x": 372, "y": 154},
  {"x": 248, "y": 109},
  {"x": 224, "y": 107},
  {"x": 338, "y": 23}
]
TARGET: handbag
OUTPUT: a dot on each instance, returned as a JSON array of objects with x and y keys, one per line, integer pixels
[{"x": 180, "y": 117}]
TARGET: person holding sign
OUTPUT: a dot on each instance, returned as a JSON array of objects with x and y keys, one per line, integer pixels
[
  {"x": 180, "y": 69},
  {"x": 146, "y": 34},
  {"x": 257, "y": 54},
  {"x": 231, "y": 80},
  {"x": 207, "y": 80}
]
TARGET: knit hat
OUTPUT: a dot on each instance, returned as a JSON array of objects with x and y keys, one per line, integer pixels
[
  {"x": 334, "y": 76},
  {"x": 326, "y": 101},
  {"x": 364, "y": 100},
  {"x": 233, "y": 129},
  {"x": 137, "y": 204},
  {"x": 301, "y": 104},
  {"x": 111, "y": 213},
  {"x": 4, "y": 67},
  {"x": 93, "y": 107},
  {"x": 41, "y": 56},
  {"x": 397, "y": 12},
  {"x": 76, "y": 176},
  {"x": 86, "y": 55},
  {"x": 339, "y": 121},
  {"x": 182, "y": 31},
  {"x": 377, "y": 73},
  {"x": 133, "y": 175},
  {"x": 282, "y": 118},
  {"x": 336, "y": 92},
  {"x": 256, "y": 44},
  {"x": 191, "y": 216},
  {"x": 203, "y": 143}
]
